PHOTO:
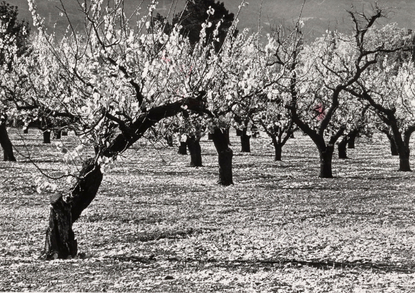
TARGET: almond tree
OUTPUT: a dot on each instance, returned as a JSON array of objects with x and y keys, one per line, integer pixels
[
  {"x": 388, "y": 88},
  {"x": 320, "y": 74},
  {"x": 118, "y": 79},
  {"x": 276, "y": 121},
  {"x": 13, "y": 43},
  {"x": 392, "y": 96}
]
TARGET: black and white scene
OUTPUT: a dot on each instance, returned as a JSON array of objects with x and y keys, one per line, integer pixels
[{"x": 207, "y": 146}]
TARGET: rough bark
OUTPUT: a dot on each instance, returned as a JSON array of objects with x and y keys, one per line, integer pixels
[
  {"x": 66, "y": 209},
  {"x": 225, "y": 154},
  {"x": 6, "y": 144},
  {"x": 326, "y": 158},
  {"x": 195, "y": 151}
]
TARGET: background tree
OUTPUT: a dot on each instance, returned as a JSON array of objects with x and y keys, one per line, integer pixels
[
  {"x": 13, "y": 43},
  {"x": 388, "y": 88},
  {"x": 392, "y": 97},
  {"x": 318, "y": 83},
  {"x": 358, "y": 123},
  {"x": 195, "y": 14}
]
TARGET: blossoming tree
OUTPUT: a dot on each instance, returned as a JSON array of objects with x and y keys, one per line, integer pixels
[{"x": 117, "y": 79}]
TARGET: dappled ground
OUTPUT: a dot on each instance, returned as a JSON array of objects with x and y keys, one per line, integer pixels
[{"x": 158, "y": 225}]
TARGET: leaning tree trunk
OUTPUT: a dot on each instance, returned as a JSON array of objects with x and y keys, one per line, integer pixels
[
  {"x": 326, "y": 158},
  {"x": 66, "y": 209},
  {"x": 195, "y": 151},
  {"x": 277, "y": 148},
  {"x": 342, "y": 148},
  {"x": 225, "y": 154},
  {"x": 6, "y": 144},
  {"x": 245, "y": 141}
]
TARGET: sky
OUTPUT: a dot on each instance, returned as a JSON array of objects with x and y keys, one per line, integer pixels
[{"x": 318, "y": 15}]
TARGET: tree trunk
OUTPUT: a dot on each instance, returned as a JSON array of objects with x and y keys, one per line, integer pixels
[
  {"x": 404, "y": 164},
  {"x": 225, "y": 154},
  {"x": 326, "y": 157},
  {"x": 342, "y": 148},
  {"x": 245, "y": 142},
  {"x": 6, "y": 144},
  {"x": 182, "y": 148},
  {"x": 66, "y": 209},
  {"x": 46, "y": 136},
  {"x": 351, "y": 142},
  {"x": 195, "y": 151},
  {"x": 393, "y": 146},
  {"x": 277, "y": 148}
]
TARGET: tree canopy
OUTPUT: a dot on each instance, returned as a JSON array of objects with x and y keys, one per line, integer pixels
[{"x": 197, "y": 12}]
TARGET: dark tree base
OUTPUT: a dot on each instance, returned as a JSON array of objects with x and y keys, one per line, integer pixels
[
  {"x": 195, "y": 151},
  {"x": 326, "y": 157},
  {"x": 6, "y": 144},
  {"x": 182, "y": 148},
  {"x": 46, "y": 136},
  {"x": 225, "y": 154}
]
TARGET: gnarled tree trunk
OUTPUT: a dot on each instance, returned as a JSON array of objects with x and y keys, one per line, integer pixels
[
  {"x": 351, "y": 142},
  {"x": 66, "y": 209},
  {"x": 225, "y": 154}
]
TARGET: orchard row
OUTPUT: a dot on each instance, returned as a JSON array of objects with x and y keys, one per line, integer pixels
[{"x": 124, "y": 74}]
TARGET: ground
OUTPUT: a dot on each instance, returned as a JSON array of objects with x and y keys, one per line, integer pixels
[{"x": 158, "y": 225}]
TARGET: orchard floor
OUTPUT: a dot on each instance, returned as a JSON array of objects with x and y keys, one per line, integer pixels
[{"x": 158, "y": 225}]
